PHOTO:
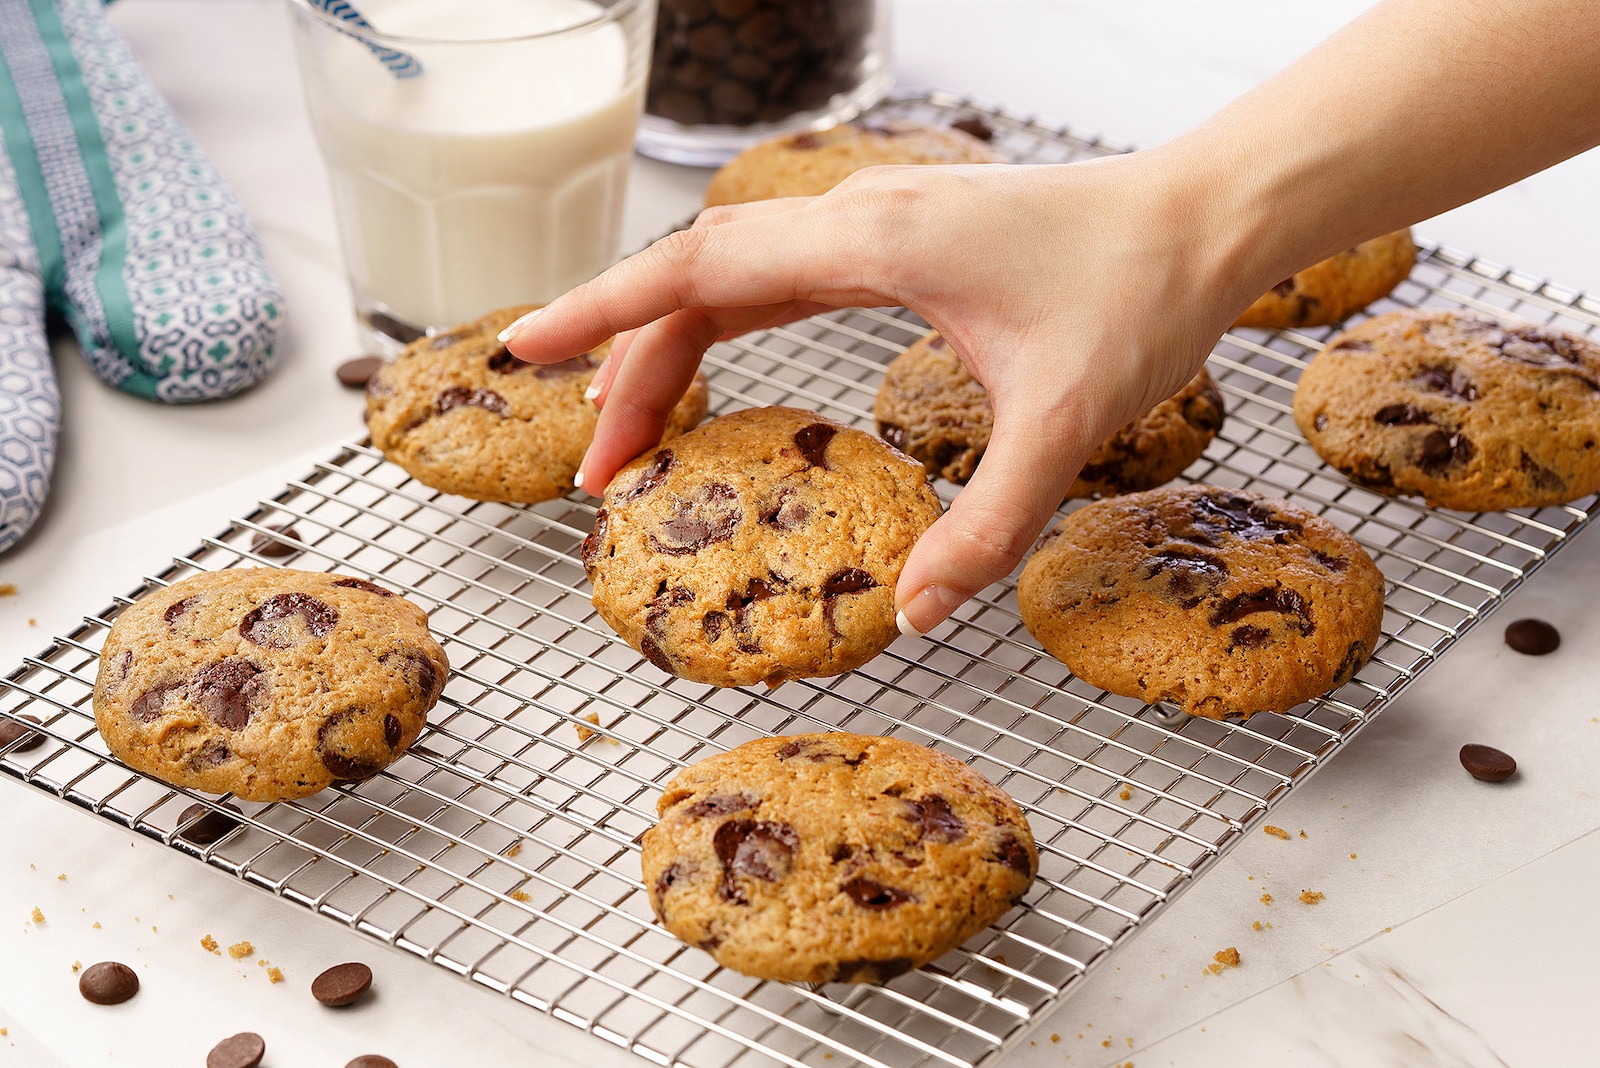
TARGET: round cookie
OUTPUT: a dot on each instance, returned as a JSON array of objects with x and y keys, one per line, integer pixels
[
  {"x": 834, "y": 857},
  {"x": 266, "y": 683},
  {"x": 1466, "y": 411},
  {"x": 1220, "y": 601},
  {"x": 1337, "y": 287},
  {"x": 811, "y": 163},
  {"x": 463, "y": 415},
  {"x": 762, "y": 546},
  {"x": 931, "y": 408}
]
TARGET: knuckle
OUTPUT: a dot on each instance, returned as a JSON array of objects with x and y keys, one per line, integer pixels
[{"x": 988, "y": 543}]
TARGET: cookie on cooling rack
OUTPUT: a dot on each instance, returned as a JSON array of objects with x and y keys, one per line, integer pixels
[
  {"x": 463, "y": 415},
  {"x": 266, "y": 683},
  {"x": 811, "y": 163},
  {"x": 762, "y": 546},
  {"x": 1337, "y": 287},
  {"x": 834, "y": 857},
  {"x": 1220, "y": 601},
  {"x": 1464, "y": 410},
  {"x": 931, "y": 408}
]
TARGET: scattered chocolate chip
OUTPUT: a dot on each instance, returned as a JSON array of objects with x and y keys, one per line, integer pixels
[
  {"x": 462, "y": 397},
  {"x": 358, "y": 372},
  {"x": 363, "y": 584},
  {"x": 652, "y": 477},
  {"x": 813, "y": 443},
  {"x": 666, "y": 880},
  {"x": 871, "y": 894},
  {"x": 208, "y": 824},
  {"x": 654, "y": 653},
  {"x": 342, "y": 983},
  {"x": 939, "y": 821},
  {"x": 1451, "y": 381},
  {"x": 371, "y": 1060},
  {"x": 1321, "y": 421},
  {"x": 448, "y": 338},
  {"x": 871, "y": 971},
  {"x": 1332, "y": 563},
  {"x": 1533, "y": 637},
  {"x": 279, "y": 545},
  {"x": 273, "y": 623},
  {"x": 1402, "y": 415},
  {"x": 710, "y": 516},
  {"x": 389, "y": 326},
  {"x": 1487, "y": 763},
  {"x": 211, "y": 754},
  {"x": 108, "y": 983},
  {"x": 243, "y": 1050},
  {"x": 1538, "y": 348},
  {"x": 229, "y": 691},
  {"x": 722, "y": 805},
  {"x": 1354, "y": 657},
  {"x": 594, "y": 540},
  {"x": 1442, "y": 449},
  {"x": 13, "y": 729},
  {"x": 974, "y": 125}
]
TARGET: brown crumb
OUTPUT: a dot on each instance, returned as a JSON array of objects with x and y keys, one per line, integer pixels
[
  {"x": 208, "y": 944},
  {"x": 1057, "y": 1038},
  {"x": 3, "y": 1031},
  {"x": 521, "y": 895},
  {"x": 1256, "y": 926},
  {"x": 1214, "y": 969},
  {"x": 274, "y": 975},
  {"x": 77, "y": 966},
  {"x": 32, "y": 623},
  {"x": 1311, "y": 897},
  {"x": 8, "y": 589},
  {"x": 1276, "y": 832},
  {"x": 1106, "y": 1044},
  {"x": 62, "y": 877},
  {"x": 584, "y": 733},
  {"x": 1266, "y": 899},
  {"x": 153, "y": 929},
  {"x": 97, "y": 925},
  {"x": 1228, "y": 958},
  {"x": 516, "y": 847},
  {"x": 1127, "y": 792},
  {"x": 1302, "y": 834},
  {"x": 240, "y": 950},
  {"x": 38, "y": 917},
  {"x": 1352, "y": 856}
]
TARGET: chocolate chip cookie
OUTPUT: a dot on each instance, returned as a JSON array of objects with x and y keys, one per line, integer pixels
[
  {"x": 1337, "y": 287},
  {"x": 931, "y": 408},
  {"x": 266, "y": 683},
  {"x": 834, "y": 857},
  {"x": 762, "y": 546},
  {"x": 463, "y": 415},
  {"x": 1464, "y": 410},
  {"x": 1220, "y": 601},
  {"x": 811, "y": 163}
]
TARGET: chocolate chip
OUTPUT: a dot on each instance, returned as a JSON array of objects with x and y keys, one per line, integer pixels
[
  {"x": 501, "y": 362},
  {"x": 753, "y": 849},
  {"x": 211, "y": 754},
  {"x": 243, "y": 1050},
  {"x": 420, "y": 674},
  {"x": 1451, "y": 381},
  {"x": 13, "y": 729},
  {"x": 1240, "y": 515},
  {"x": 389, "y": 326},
  {"x": 871, "y": 894},
  {"x": 341, "y": 765},
  {"x": 813, "y": 443},
  {"x": 359, "y": 371},
  {"x": 108, "y": 983},
  {"x": 203, "y": 825},
  {"x": 148, "y": 706},
  {"x": 371, "y": 1060},
  {"x": 576, "y": 365},
  {"x": 594, "y": 540},
  {"x": 443, "y": 341},
  {"x": 847, "y": 580},
  {"x": 652, "y": 477},
  {"x": 791, "y": 749},
  {"x": 894, "y": 434},
  {"x": 1248, "y": 638},
  {"x": 1191, "y": 577},
  {"x": 363, "y": 584},
  {"x": 1285, "y": 287},
  {"x": 710, "y": 516},
  {"x": 714, "y": 624},
  {"x": 1013, "y": 853},
  {"x": 665, "y": 881},
  {"x": 377, "y": 387},
  {"x": 1534, "y": 637},
  {"x": 975, "y": 126},
  {"x": 1332, "y": 563},
  {"x": 1354, "y": 657},
  {"x": 178, "y": 608},
  {"x": 1538, "y": 348},
  {"x": 1442, "y": 449},
  {"x": 787, "y": 513},
  {"x": 1542, "y": 477},
  {"x": 1279, "y": 599},
  {"x": 229, "y": 691},
  {"x": 722, "y": 805},
  {"x": 1351, "y": 345},
  {"x": 287, "y": 619},
  {"x": 462, "y": 397},
  {"x": 281, "y": 545},
  {"x": 342, "y": 984},
  {"x": 653, "y": 653},
  {"x": 1321, "y": 421},
  {"x": 938, "y": 819},
  {"x": 392, "y": 731},
  {"x": 871, "y": 971},
  {"x": 1401, "y": 415},
  {"x": 1487, "y": 763}
]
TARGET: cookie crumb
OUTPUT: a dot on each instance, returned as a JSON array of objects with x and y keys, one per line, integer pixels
[
  {"x": 8, "y": 589},
  {"x": 584, "y": 733},
  {"x": 274, "y": 975},
  {"x": 1228, "y": 958},
  {"x": 1311, "y": 897},
  {"x": 516, "y": 847},
  {"x": 1057, "y": 1038},
  {"x": 207, "y": 943},
  {"x": 1256, "y": 926},
  {"x": 77, "y": 966},
  {"x": 240, "y": 950},
  {"x": 1127, "y": 792},
  {"x": 97, "y": 925},
  {"x": 1352, "y": 856},
  {"x": 521, "y": 895},
  {"x": 1266, "y": 899},
  {"x": 62, "y": 877},
  {"x": 1302, "y": 834},
  {"x": 38, "y": 917},
  {"x": 1276, "y": 832}
]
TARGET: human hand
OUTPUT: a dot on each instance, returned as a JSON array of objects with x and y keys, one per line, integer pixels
[{"x": 1078, "y": 295}]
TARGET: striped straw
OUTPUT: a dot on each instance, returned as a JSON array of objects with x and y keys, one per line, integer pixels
[{"x": 400, "y": 64}]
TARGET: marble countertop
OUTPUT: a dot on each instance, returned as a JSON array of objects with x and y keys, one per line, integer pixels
[{"x": 1453, "y": 929}]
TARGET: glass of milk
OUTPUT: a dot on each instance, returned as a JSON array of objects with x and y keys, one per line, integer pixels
[{"x": 495, "y": 175}]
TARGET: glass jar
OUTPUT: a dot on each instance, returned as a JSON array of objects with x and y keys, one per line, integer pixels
[{"x": 726, "y": 74}]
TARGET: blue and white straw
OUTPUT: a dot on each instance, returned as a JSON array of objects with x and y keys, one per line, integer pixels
[{"x": 400, "y": 64}]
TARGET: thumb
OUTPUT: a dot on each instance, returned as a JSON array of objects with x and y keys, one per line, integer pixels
[{"x": 1030, "y": 462}]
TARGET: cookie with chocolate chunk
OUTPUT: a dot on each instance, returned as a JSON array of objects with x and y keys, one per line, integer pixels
[
  {"x": 266, "y": 683},
  {"x": 762, "y": 546},
  {"x": 463, "y": 415},
  {"x": 834, "y": 857},
  {"x": 1336, "y": 287},
  {"x": 931, "y": 408},
  {"x": 1220, "y": 601},
  {"x": 1458, "y": 407},
  {"x": 811, "y": 163}
]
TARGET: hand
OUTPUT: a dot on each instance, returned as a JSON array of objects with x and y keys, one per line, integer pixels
[{"x": 1079, "y": 295}]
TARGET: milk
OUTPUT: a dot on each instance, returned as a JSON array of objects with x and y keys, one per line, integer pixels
[{"x": 496, "y": 176}]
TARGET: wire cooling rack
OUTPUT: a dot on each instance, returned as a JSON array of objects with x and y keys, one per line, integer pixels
[{"x": 504, "y": 846}]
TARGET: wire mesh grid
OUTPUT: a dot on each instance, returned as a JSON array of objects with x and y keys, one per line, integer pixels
[{"x": 504, "y": 845}]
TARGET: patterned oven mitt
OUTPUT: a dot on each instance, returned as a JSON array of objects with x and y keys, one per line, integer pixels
[{"x": 112, "y": 216}]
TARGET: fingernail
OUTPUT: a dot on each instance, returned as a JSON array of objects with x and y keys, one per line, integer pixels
[
  {"x": 511, "y": 331},
  {"x": 577, "y": 480},
  {"x": 926, "y": 609},
  {"x": 592, "y": 392}
]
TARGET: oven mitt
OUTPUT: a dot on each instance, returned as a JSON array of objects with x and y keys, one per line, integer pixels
[{"x": 110, "y": 215}]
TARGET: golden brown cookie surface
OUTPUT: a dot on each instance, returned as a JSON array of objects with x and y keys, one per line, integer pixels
[
  {"x": 463, "y": 415},
  {"x": 762, "y": 546},
  {"x": 1466, "y": 411},
  {"x": 1220, "y": 601},
  {"x": 834, "y": 857},
  {"x": 1336, "y": 287},
  {"x": 266, "y": 683}
]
